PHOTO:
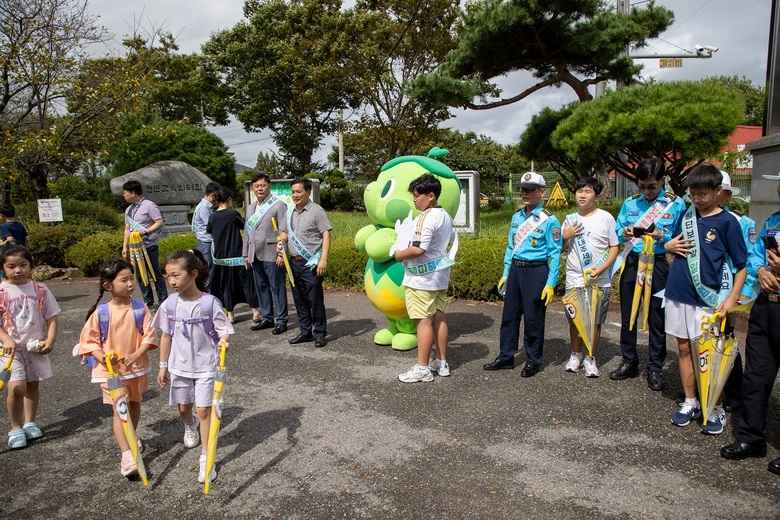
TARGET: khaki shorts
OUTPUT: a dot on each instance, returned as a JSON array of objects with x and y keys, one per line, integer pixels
[
  {"x": 28, "y": 366},
  {"x": 421, "y": 304},
  {"x": 133, "y": 389}
]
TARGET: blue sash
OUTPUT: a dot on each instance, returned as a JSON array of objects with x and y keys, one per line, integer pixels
[
  {"x": 312, "y": 259},
  {"x": 195, "y": 216},
  {"x": 135, "y": 226},
  {"x": 260, "y": 211},
  {"x": 690, "y": 231}
]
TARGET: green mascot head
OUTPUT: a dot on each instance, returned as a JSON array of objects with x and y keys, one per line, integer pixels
[{"x": 388, "y": 198}]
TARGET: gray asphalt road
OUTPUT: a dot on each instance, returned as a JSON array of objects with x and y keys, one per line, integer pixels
[{"x": 331, "y": 433}]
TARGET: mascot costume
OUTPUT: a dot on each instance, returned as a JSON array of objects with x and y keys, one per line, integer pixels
[{"x": 388, "y": 200}]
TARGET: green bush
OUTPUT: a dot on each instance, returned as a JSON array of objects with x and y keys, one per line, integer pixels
[
  {"x": 48, "y": 243},
  {"x": 171, "y": 243},
  {"x": 87, "y": 213},
  {"x": 345, "y": 265},
  {"x": 90, "y": 252},
  {"x": 478, "y": 268},
  {"x": 69, "y": 187}
]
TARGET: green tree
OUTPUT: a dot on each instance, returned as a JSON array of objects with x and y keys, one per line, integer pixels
[
  {"x": 54, "y": 114},
  {"x": 269, "y": 163},
  {"x": 683, "y": 122},
  {"x": 754, "y": 95},
  {"x": 287, "y": 68},
  {"x": 573, "y": 42},
  {"x": 152, "y": 139}
]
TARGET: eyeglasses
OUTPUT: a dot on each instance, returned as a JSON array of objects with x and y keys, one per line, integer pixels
[{"x": 647, "y": 187}]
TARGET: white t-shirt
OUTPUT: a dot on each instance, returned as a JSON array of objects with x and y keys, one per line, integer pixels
[
  {"x": 29, "y": 320},
  {"x": 432, "y": 232},
  {"x": 599, "y": 229}
]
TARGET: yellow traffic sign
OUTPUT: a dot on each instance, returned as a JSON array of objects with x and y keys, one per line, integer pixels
[
  {"x": 670, "y": 63},
  {"x": 557, "y": 198}
]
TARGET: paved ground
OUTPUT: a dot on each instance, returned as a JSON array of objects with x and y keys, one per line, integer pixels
[{"x": 331, "y": 433}]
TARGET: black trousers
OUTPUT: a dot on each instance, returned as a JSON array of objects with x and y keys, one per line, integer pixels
[
  {"x": 309, "y": 299},
  {"x": 524, "y": 287},
  {"x": 656, "y": 322},
  {"x": 762, "y": 361}
]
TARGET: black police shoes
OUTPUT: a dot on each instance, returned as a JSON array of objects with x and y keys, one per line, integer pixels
[
  {"x": 265, "y": 324},
  {"x": 300, "y": 338},
  {"x": 500, "y": 364},
  {"x": 530, "y": 370},
  {"x": 739, "y": 450},
  {"x": 624, "y": 371},
  {"x": 279, "y": 329},
  {"x": 320, "y": 341},
  {"x": 774, "y": 466},
  {"x": 655, "y": 380}
]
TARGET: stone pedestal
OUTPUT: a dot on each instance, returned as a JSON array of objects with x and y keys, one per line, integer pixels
[
  {"x": 176, "y": 220},
  {"x": 763, "y": 192}
]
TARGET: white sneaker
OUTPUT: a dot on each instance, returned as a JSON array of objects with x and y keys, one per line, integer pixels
[
  {"x": 191, "y": 433},
  {"x": 202, "y": 470},
  {"x": 575, "y": 360},
  {"x": 591, "y": 370},
  {"x": 440, "y": 366},
  {"x": 417, "y": 373}
]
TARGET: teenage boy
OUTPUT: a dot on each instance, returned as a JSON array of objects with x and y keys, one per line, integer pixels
[
  {"x": 261, "y": 254},
  {"x": 426, "y": 287},
  {"x": 732, "y": 393},
  {"x": 704, "y": 240},
  {"x": 308, "y": 231},
  {"x": 11, "y": 230},
  {"x": 762, "y": 350},
  {"x": 531, "y": 264},
  {"x": 593, "y": 247},
  {"x": 655, "y": 212},
  {"x": 143, "y": 215},
  {"x": 200, "y": 220}
]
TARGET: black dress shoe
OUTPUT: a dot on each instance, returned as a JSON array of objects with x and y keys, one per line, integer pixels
[
  {"x": 500, "y": 364},
  {"x": 279, "y": 329},
  {"x": 265, "y": 324},
  {"x": 739, "y": 450},
  {"x": 624, "y": 371},
  {"x": 530, "y": 370},
  {"x": 732, "y": 405},
  {"x": 655, "y": 380},
  {"x": 319, "y": 341},
  {"x": 300, "y": 338},
  {"x": 774, "y": 466}
]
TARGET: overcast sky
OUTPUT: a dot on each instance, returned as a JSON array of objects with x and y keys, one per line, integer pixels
[{"x": 740, "y": 30}]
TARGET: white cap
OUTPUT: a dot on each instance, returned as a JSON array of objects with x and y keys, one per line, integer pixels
[
  {"x": 726, "y": 184},
  {"x": 532, "y": 180}
]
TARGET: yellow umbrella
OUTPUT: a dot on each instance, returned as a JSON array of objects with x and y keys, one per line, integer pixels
[
  {"x": 645, "y": 258},
  {"x": 284, "y": 253},
  {"x": 139, "y": 258},
  {"x": 5, "y": 375},
  {"x": 117, "y": 393},
  {"x": 647, "y": 296},
  {"x": 582, "y": 306},
  {"x": 717, "y": 352},
  {"x": 216, "y": 415}
]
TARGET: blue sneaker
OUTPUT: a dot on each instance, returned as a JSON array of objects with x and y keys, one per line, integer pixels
[
  {"x": 16, "y": 439},
  {"x": 31, "y": 431},
  {"x": 686, "y": 414},
  {"x": 715, "y": 422}
]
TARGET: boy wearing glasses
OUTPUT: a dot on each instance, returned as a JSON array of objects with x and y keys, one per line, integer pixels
[
  {"x": 704, "y": 240},
  {"x": 652, "y": 212},
  {"x": 531, "y": 265}
]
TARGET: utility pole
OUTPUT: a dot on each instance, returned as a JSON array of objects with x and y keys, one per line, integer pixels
[{"x": 341, "y": 141}]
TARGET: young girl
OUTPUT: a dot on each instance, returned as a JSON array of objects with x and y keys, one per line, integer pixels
[
  {"x": 192, "y": 325},
  {"x": 30, "y": 317},
  {"x": 127, "y": 330}
]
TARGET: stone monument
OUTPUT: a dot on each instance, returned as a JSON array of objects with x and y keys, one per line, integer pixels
[{"x": 174, "y": 186}]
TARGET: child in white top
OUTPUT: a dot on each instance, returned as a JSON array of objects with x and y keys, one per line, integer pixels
[
  {"x": 30, "y": 317},
  {"x": 426, "y": 287},
  {"x": 597, "y": 228},
  {"x": 192, "y": 325},
  {"x": 123, "y": 337}
]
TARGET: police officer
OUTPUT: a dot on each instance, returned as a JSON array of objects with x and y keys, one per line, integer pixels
[
  {"x": 732, "y": 393},
  {"x": 650, "y": 179},
  {"x": 762, "y": 350},
  {"x": 531, "y": 266}
]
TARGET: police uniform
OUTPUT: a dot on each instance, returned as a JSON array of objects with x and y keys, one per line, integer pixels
[
  {"x": 762, "y": 350},
  {"x": 732, "y": 392},
  {"x": 629, "y": 215},
  {"x": 534, "y": 265}
]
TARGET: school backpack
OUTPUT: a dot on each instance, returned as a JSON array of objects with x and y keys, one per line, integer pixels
[
  {"x": 139, "y": 309},
  {"x": 206, "y": 311},
  {"x": 40, "y": 293}
]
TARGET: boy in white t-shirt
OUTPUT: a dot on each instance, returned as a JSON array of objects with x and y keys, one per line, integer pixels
[
  {"x": 426, "y": 277},
  {"x": 592, "y": 242}
]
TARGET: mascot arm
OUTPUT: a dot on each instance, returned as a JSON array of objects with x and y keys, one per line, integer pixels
[
  {"x": 362, "y": 236},
  {"x": 379, "y": 243}
]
